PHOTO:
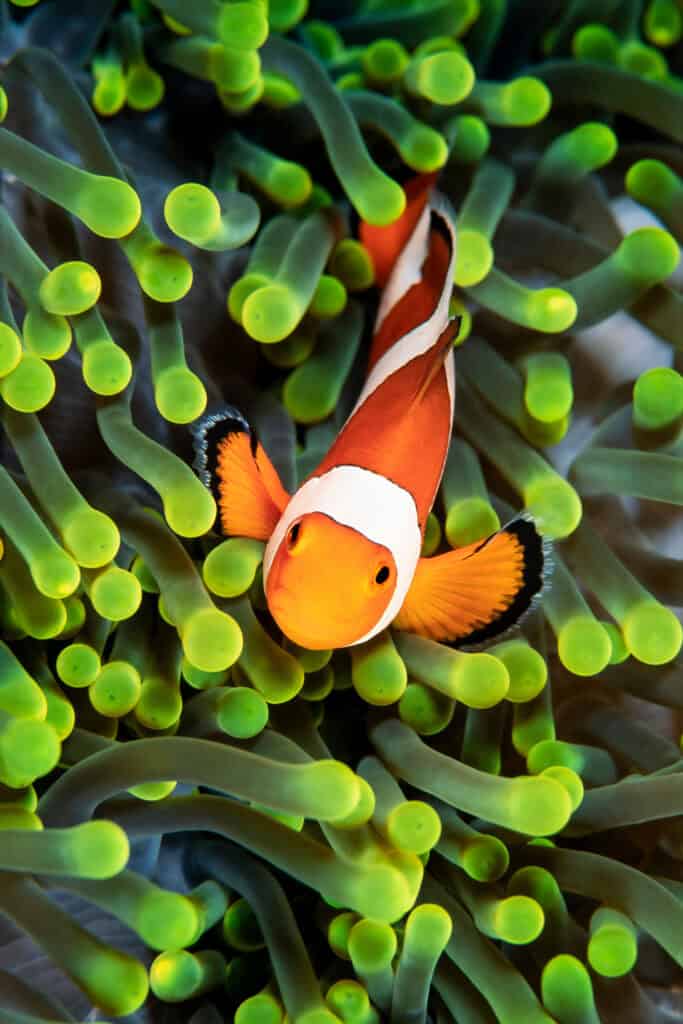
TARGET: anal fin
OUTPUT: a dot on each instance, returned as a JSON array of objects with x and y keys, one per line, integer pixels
[
  {"x": 471, "y": 594},
  {"x": 234, "y": 465}
]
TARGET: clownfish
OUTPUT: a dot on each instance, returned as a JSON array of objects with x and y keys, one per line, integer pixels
[{"x": 342, "y": 560}]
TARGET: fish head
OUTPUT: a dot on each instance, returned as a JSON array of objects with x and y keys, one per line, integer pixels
[{"x": 328, "y": 585}]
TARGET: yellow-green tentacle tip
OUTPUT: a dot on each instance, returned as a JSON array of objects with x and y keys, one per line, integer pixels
[
  {"x": 518, "y": 920},
  {"x": 115, "y": 594},
  {"x": 4, "y": 104},
  {"x": 70, "y": 288},
  {"x": 652, "y": 633},
  {"x": 642, "y": 60},
  {"x": 144, "y": 87},
  {"x": 481, "y": 681},
  {"x": 166, "y": 920},
  {"x": 551, "y": 310},
  {"x": 612, "y": 947},
  {"x": 567, "y": 990},
  {"x": 318, "y": 1016},
  {"x": 425, "y": 710},
  {"x": 469, "y": 520},
  {"x": 584, "y": 646},
  {"x": 243, "y": 26},
  {"x": 414, "y": 826},
  {"x": 270, "y": 313},
  {"x": 91, "y": 537},
  {"x": 242, "y": 712},
  {"x": 78, "y": 665},
  {"x": 663, "y": 22},
  {"x": 349, "y": 1000},
  {"x": 283, "y": 15},
  {"x": 29, "y": 749},
  {"x": 96, "y": 849},
  {"x": 107, "y": 368},
  {"x": 538, "y": 806},
  {"x": 109, "y": 92},
  {"x": 329, "y": 298},
  {"x": 116, "y": 690},
  {"x": 620, "y": 651},
  {"x": 372, "y": 946},
  {"x": 384, "y": 61},
  {"x": 10, "y": 349},
  {"x": 526, "y": 101},
  {"x": 474, "y": 258},
  {"x": 432, "y": 537},
  {"x": 13, "y": 816},
  {"x": 30, "y": 386},
  {"x": 179, "y": 394},
  {"x": 153, "y": 791},
  {"x": 555, "y": 506},
  {"x": 192, "y": 212},
  {"x": 444, "y": 78},
  {"x": 569, "y": 779},
  {"x": 526, "y": 668},
  {"x": 108, "y": 206},
  {"x": 648, "y": 254},
  {"x": 230, "y": 568},
  {"x": 212, "y": 640},
  {"x": 596, "y": 42},
  {"x": 263, "y": 1008},
  {"x": 48, "y": 335},
  {"x": 381, "y": 201},
  {"x": 658, "y": 398},
  {"x": 363, "y": 810},
  {"x": 240, "y": 927},
  {"x": 485, "y": 858},
  {"x": 164, "y": 274}
]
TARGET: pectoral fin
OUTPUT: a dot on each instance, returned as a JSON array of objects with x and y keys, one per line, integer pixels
[
  {"x": 476, "y": 592},
  {"x": 234, "y": 465}
]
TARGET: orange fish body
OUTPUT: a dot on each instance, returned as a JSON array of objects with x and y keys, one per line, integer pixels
[{"x": 342, "y": 560}]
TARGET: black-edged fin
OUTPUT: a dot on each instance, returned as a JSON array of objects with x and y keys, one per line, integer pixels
[
  {"x": 474, "y": 593},
  {"x": 233, "y": 464},
  {"x": 207, "y": 434}
]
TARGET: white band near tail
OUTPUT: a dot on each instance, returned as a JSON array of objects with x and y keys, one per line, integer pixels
[{"x": 369, "y": 503}]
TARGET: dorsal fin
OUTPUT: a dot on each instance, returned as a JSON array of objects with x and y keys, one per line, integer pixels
[{"x": 437, "y": 357}]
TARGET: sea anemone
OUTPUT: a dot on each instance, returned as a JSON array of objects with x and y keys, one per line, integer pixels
[{"x": 201, "y": 821}]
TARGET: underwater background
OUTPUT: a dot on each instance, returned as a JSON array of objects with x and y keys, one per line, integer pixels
[{"x": 200, "y": 822}]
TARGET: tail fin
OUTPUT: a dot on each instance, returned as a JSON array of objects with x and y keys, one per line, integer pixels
[
  {"x": 474, "y": 593},
  {"x": 233, "y": 464}
]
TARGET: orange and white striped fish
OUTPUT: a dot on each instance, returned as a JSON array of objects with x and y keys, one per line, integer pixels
[{"x": 342, "y": 560}]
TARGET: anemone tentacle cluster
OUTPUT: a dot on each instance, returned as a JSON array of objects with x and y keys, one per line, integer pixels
[{"x": 199, "y": 821}]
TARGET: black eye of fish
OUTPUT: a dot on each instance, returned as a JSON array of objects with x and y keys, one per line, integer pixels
[
  {"x": 293, "y": 535},
  {"x": 382, "y": 574}
]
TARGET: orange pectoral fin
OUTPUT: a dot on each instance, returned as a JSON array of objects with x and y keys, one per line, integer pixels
[
  {"x": 385, "y": 243},
  {"x": 235, "y": 466},
  {"x": 476, "y": 592}
]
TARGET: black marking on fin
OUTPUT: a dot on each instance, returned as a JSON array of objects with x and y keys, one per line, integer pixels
[
  {"x": 207, "y": 435},
  {"x": 535, "y": 576}
]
